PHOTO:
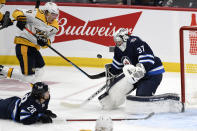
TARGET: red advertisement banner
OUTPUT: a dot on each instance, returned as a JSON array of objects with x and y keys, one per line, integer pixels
[{"x": 98, "y": 31}]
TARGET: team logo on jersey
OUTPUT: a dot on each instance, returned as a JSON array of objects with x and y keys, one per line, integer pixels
[
  {"x": 40, "y": 32},
  {"x": 126, "y": 60},
  {"x": 97, "y": 31}
]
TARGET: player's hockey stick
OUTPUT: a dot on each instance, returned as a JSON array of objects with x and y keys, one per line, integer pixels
[
  {"x": 100, "y": 75},
  {"x": 37, "y": 4},
  {"x": 120, "y": 119},
  {"x": 86, "y": 101},
  {"x": 97, "y": 76}
]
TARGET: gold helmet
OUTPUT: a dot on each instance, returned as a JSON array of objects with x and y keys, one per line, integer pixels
[{"x": 2, "y": 1}]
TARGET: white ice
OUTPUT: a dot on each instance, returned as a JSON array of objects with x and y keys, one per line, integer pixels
[{"x": 70, "y": 85}]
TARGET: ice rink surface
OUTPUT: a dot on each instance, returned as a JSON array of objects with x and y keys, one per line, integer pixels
[{"x": 67, "y": 84}]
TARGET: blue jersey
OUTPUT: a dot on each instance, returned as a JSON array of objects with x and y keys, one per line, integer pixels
[
  {"x": 26, "y": 110},
  {"x": 137, "y": 51}
]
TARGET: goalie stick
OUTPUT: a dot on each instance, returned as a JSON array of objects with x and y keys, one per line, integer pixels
[
  {"x": 120, "y": 119},
  {"x": 86, "y": 101}
]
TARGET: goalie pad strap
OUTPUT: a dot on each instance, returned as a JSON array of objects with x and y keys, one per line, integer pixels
[{"x": 162, "y": 97}]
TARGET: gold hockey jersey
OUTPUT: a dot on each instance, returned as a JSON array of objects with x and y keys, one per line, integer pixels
[{"x": 37, "y": 23}]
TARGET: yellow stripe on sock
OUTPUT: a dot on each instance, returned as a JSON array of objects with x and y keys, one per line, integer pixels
[{"x": 25, "y": 58}]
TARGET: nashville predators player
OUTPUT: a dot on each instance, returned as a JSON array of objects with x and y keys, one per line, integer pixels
[{"x": 44, "y": 25}]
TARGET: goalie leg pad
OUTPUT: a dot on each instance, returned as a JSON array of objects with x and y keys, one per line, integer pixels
[
  {"x": 116, "y": 94},
  {"x": 106, "y": 101},
  {"x": 168, "y": 102}
]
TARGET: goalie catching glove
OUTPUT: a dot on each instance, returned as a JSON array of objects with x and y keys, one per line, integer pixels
[{"x": 134, "y": 74}]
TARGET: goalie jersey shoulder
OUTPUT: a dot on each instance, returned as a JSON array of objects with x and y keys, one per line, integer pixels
[{"x": 136, "y": 41}]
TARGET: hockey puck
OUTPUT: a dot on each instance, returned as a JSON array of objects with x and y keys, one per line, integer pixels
[{"x": 99, "y": 56}]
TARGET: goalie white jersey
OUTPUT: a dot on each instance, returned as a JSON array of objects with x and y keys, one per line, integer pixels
[{"x": 37, "y": 23}]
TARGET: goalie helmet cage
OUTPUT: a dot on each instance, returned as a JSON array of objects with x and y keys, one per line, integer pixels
[{"x": 188, "y": 64}]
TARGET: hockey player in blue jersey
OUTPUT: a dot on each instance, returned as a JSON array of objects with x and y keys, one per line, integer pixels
[
  {"x": 134, "y": 67},
  {"x": 31, "y": 108}
]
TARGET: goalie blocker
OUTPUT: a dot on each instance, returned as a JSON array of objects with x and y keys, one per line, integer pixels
[{"x": 168, "y": 102}]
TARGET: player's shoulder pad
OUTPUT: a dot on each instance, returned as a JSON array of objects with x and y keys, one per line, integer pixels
[
  {"x": 17, "y": 13},
  {"x": 40, "y": 15}
]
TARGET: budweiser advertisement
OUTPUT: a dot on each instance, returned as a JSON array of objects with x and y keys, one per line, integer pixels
[
  {"x": 98, "y": 31},
  {"x": 87, "y": 30}
]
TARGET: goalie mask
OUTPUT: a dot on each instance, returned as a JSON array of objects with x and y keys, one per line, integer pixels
[
  {"x": 120, "y": 38},
  {"x": 39, "y": 89},
  {"x": 104, "y": 123}
]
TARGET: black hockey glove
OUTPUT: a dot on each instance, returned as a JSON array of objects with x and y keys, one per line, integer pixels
[
  {"x": 50, "y": 113},
  {"x": 42, "y": 41},
  {"x": 6, "y": 21},
  {"x": 45, "y": 119},
  {"x": 21, "y": 22}
]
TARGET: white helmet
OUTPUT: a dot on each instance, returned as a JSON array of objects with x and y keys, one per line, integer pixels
[
  {"x": 51, "y": 8},
  {"x": 120, "y": 38},
  {"x": 104, "y": 123}
]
